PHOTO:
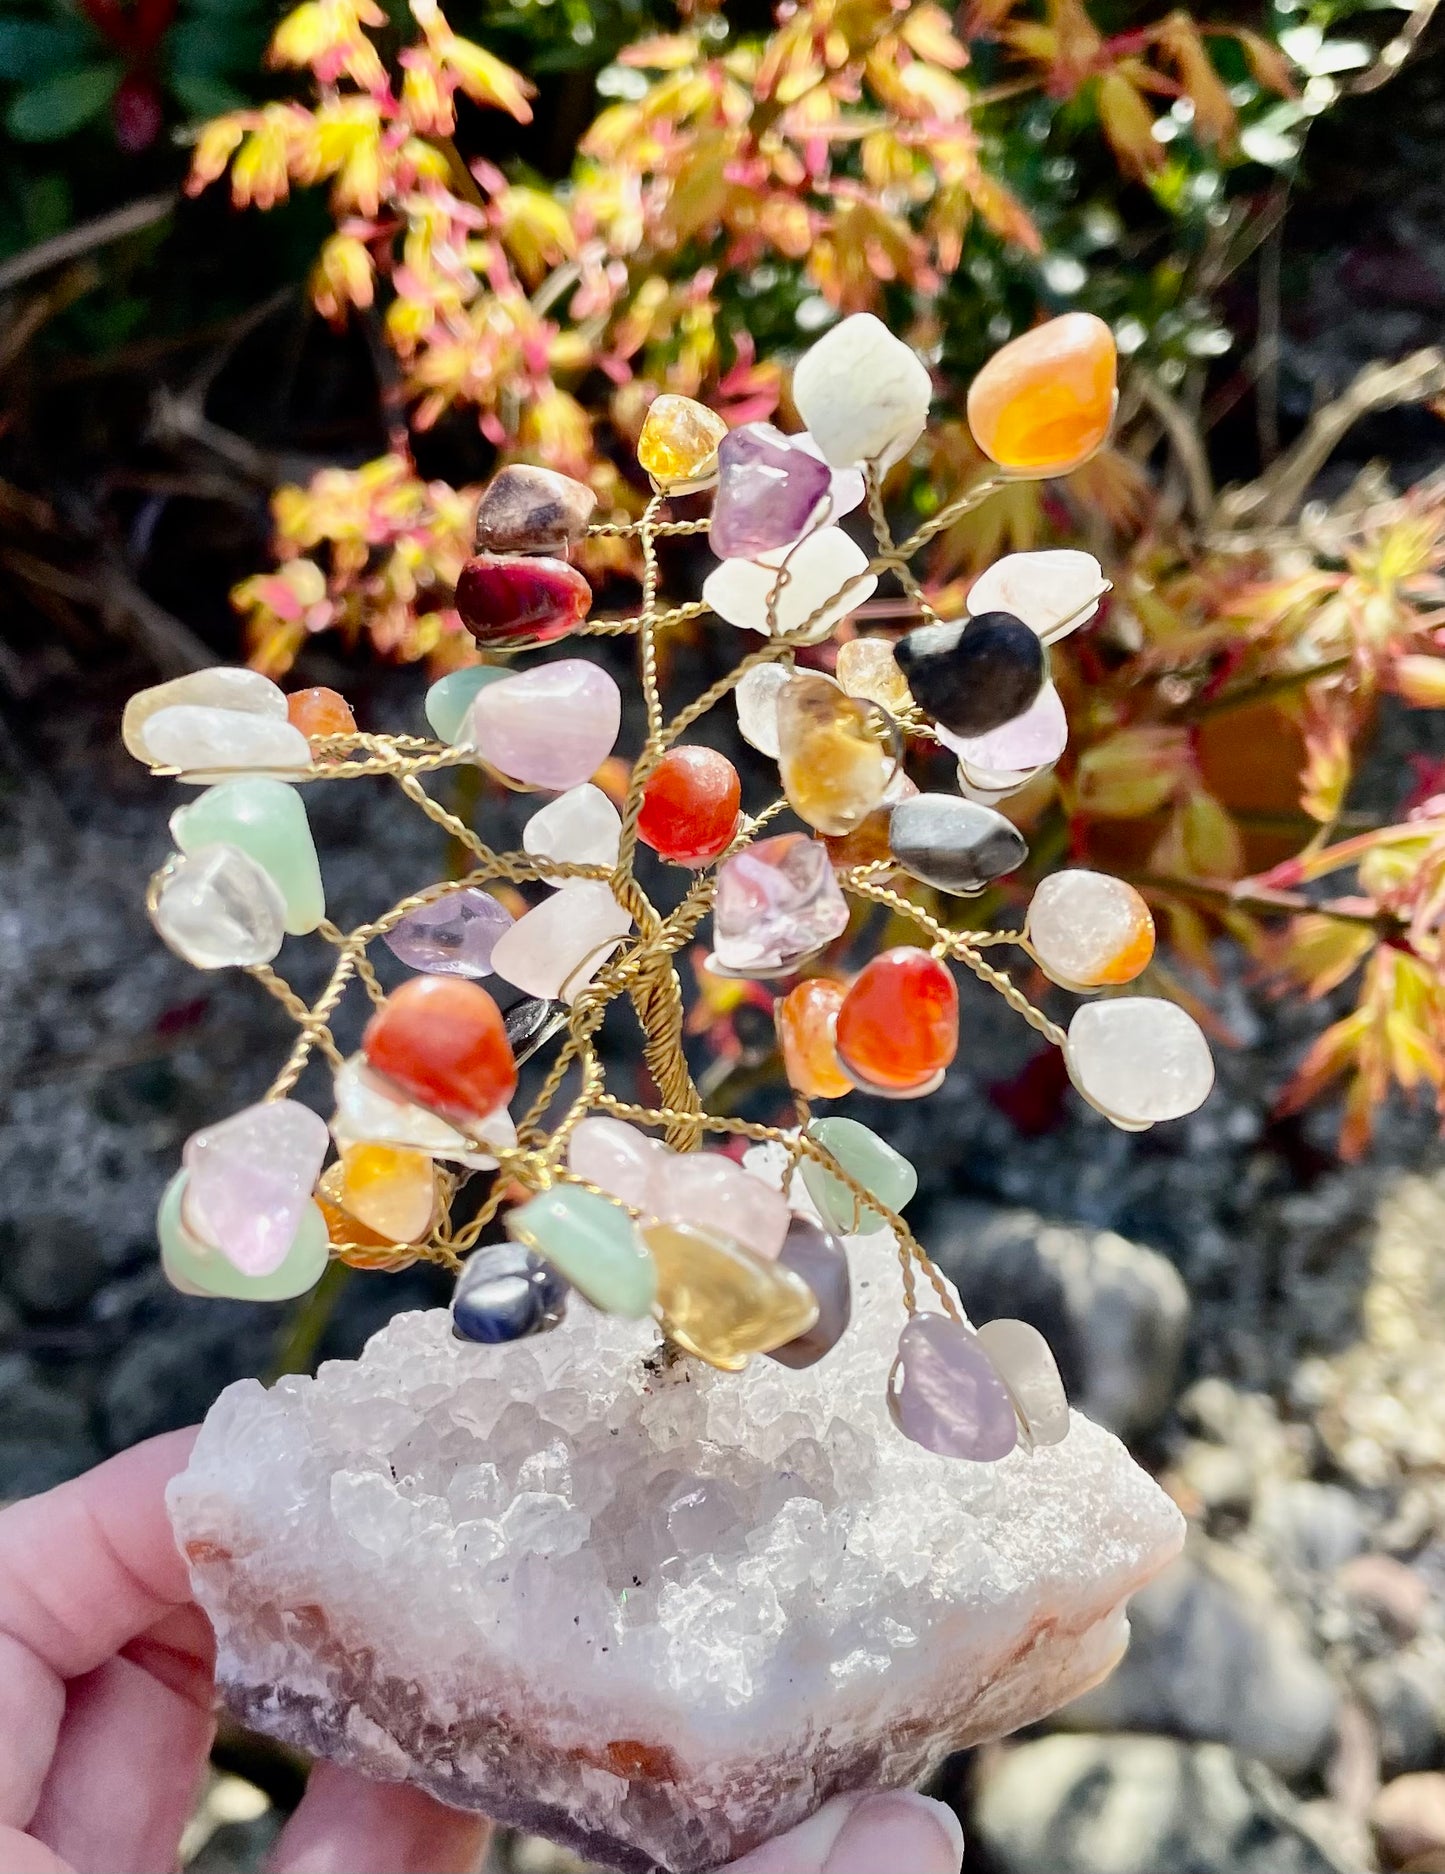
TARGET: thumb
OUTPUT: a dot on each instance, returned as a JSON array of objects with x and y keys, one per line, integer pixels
[{"x": 877, "y": 1832}]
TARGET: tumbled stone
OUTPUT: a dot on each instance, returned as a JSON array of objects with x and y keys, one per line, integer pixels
[
  {"x": 320, "y": 712},
  {"x": 1025, "y": 1363},
  {"x": 867, "y": 668},
  {"x": 690, "y": 805},
  {"x": 807, "y": 1017},
  {"x": 216, "y": 908},
  {"x": 531, "y": 1025},
  {"x": 227, "y": 687},
  {"x": 1044, "y": 402},
  {"x": 711, "y": 1192},
  {"x": 678, "y": 447},
  {"x": 250, "y": 1181},
  {"x": 866, "y": 1608},
  {"x": 512, "y": 602},
  {"x": 195, "y": 1268},
  {"x": 452, "y": 936},
  {"x": 526, "y": 509},
  {"x": 617, "y": 1158},
  {"x": 867, "y": 845},
  {"x": 555, "y": 949},
  {"x": 390, "y": 1189},
  {"x": 820, "y": 1259},
  {"x": 441, "y": 1041},
  {"x": 954, "y": 845},
  {"x": 368, "y": 1108},
  {"x": 777, "y": 904},
  {"x": 506, "y": 1293},
  {"x": 266, "y": 819},
  {"x": 847, "y": 487},
  {"x": 836, "y": 757},
  {"x": 897, "y": 1027},
  {"x": 580, "y": 827},
  {"x": 593, "y": 1244},
  {"x": 883, "y": 1173},
  {"x": 448, "y": 702},
  {"x": 757, "y": 705},
  {"x": 862, "y": 393},
  {"x": 552, "y": 726},
  {"x": 719, "y": 1301},
  {"x": 1139, "y": 1060},
  {"x": 204, "y": 744},
  {"x": 1087, "y": 929},
  {"x": 974, "y": 674},
  {"x": 1053, "y": 591},
  {"x": 813, "y": 584},
  {"x": 944, "y": 1394},
  {"x": 1019, "y": 748},
  {"x": 768, "y": 490}
]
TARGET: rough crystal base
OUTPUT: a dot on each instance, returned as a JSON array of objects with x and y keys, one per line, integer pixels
[{"x": 657, "y": 1612}]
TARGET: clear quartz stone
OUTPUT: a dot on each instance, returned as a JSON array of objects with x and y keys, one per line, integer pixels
[
  {"x": 217, "y": 908},
  {"x": 825, "y": 570},
  {"x": 204, "y": 743},
  {"x": 777, "y": 903},
  {"x": 1139, "y": 1060},
  {"x": 580, "y": 827},
  {"x": 757, "y": 698}
]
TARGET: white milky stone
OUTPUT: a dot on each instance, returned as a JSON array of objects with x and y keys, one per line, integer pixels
[
  {"x": 1139, "y": 1059},
  {"x": 618, "y": 1158},
  {"x": 206, "y": 743},
  {"x": 749, "y": 1586},
  {"x": 227, "y": 686},
  {"x": 862, "y": 393},
  {"x": 580, "y": 827},
  {"x": 218, "y": 909},
  {"x": 822, "y": 565},
  {"x": 1080, "y": 921},
  {"x": 1054, "y": 591},
  {"x": 367, "y": 1111},
  {"x": 989, "y": 789},
  {"x": 1025, "y": 1363},
  {"x": 555, "y": 949}
]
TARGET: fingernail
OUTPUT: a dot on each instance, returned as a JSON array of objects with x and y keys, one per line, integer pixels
[{"x": 898, "y": 1833}]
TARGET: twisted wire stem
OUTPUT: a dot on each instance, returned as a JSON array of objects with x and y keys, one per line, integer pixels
[{"x": 644, "y": 969}]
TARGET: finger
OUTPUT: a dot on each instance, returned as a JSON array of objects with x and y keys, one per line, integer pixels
[
  {"x": 346, "y": 1824},
  {"x": 92, "y": 1563},
  {"x": 883, "y": 1832},
  {"x": 83, "y": 1569},
  {"x": 126, "y": 1772},
  {"x": 21, "y": 1854}
]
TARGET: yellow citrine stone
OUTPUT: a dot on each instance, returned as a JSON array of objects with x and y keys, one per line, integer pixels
[
  {"x": 678, "y": 444},
  {"x": 389, "y": 1189},
  {"x": 867, "y": 668},
  {"x": 1044, "y": 403},
  {"x": 834, "y": 760},
  {"x": 719, "y": 1301}
]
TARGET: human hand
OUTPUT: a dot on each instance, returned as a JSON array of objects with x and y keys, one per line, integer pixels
[{"x": 106, "y": 1718}]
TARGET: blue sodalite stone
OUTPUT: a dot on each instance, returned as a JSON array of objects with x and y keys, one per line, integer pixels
[{"x": 506, "y": 1293}]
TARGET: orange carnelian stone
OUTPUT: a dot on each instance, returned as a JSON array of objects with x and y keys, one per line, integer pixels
[
  {"x": 1044, "y": 403},
  {"x": 442, "y": 1041},
  {"x": 320, "y": 712},
  {"x": 898, "y": 1026},
  {"x": 690, "y": 805},
  {"x": 806, "y": 1016}
]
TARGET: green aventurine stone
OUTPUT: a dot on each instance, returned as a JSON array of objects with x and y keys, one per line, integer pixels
[
  {"x": 450, "y": 698},
  {"x": 267, "y": 820},
  {"x": 886, "y": 1174},
  {"x": 594, "y": 1244},
  {"x": 196, "y": 1270}
]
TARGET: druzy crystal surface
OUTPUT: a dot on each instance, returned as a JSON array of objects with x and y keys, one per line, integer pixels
[{"x": 488, "y": 1571}]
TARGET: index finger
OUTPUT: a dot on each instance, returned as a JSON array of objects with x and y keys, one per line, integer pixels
[{"x": 91, "y": 1564}]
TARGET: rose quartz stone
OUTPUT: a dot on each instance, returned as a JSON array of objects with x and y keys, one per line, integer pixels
[
  {"x": 618, "y": 1158},
  {"x": 251, "y": 1179},
  {"x": 710, "y": 1191},
  {"x": 551, "y": 727}
]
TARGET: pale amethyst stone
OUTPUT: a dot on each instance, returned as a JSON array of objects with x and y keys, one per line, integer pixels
[
  {"x": 251, "y": 1179},
  {"x": 945, "y": 1395},
  {"x": 1032, "y": 740},
  {"x": 551, "y": 727},
  {"x": 768, "y": 489},
  {"x": 453, "y": 937},
  {"x": 821, "y": 1260},
  {"x": 708, "y": 1190},
  {"x": 777, "y": 903}
]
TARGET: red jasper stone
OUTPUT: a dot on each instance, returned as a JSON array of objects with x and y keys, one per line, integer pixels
[
  {"x": 898, "y": 1026},
  {"x": 690, "y": 805},
  {"x": 511, "y": 600},
  {"x": 443, "y": 1042}
]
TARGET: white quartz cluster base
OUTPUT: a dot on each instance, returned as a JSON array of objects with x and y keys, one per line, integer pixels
[{"x": 657, "y": 1612}]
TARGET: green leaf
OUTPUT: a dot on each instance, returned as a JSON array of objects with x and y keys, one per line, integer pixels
[
  {"x": 32, "y": 49},
  {"x": 52, "y": 110}
]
